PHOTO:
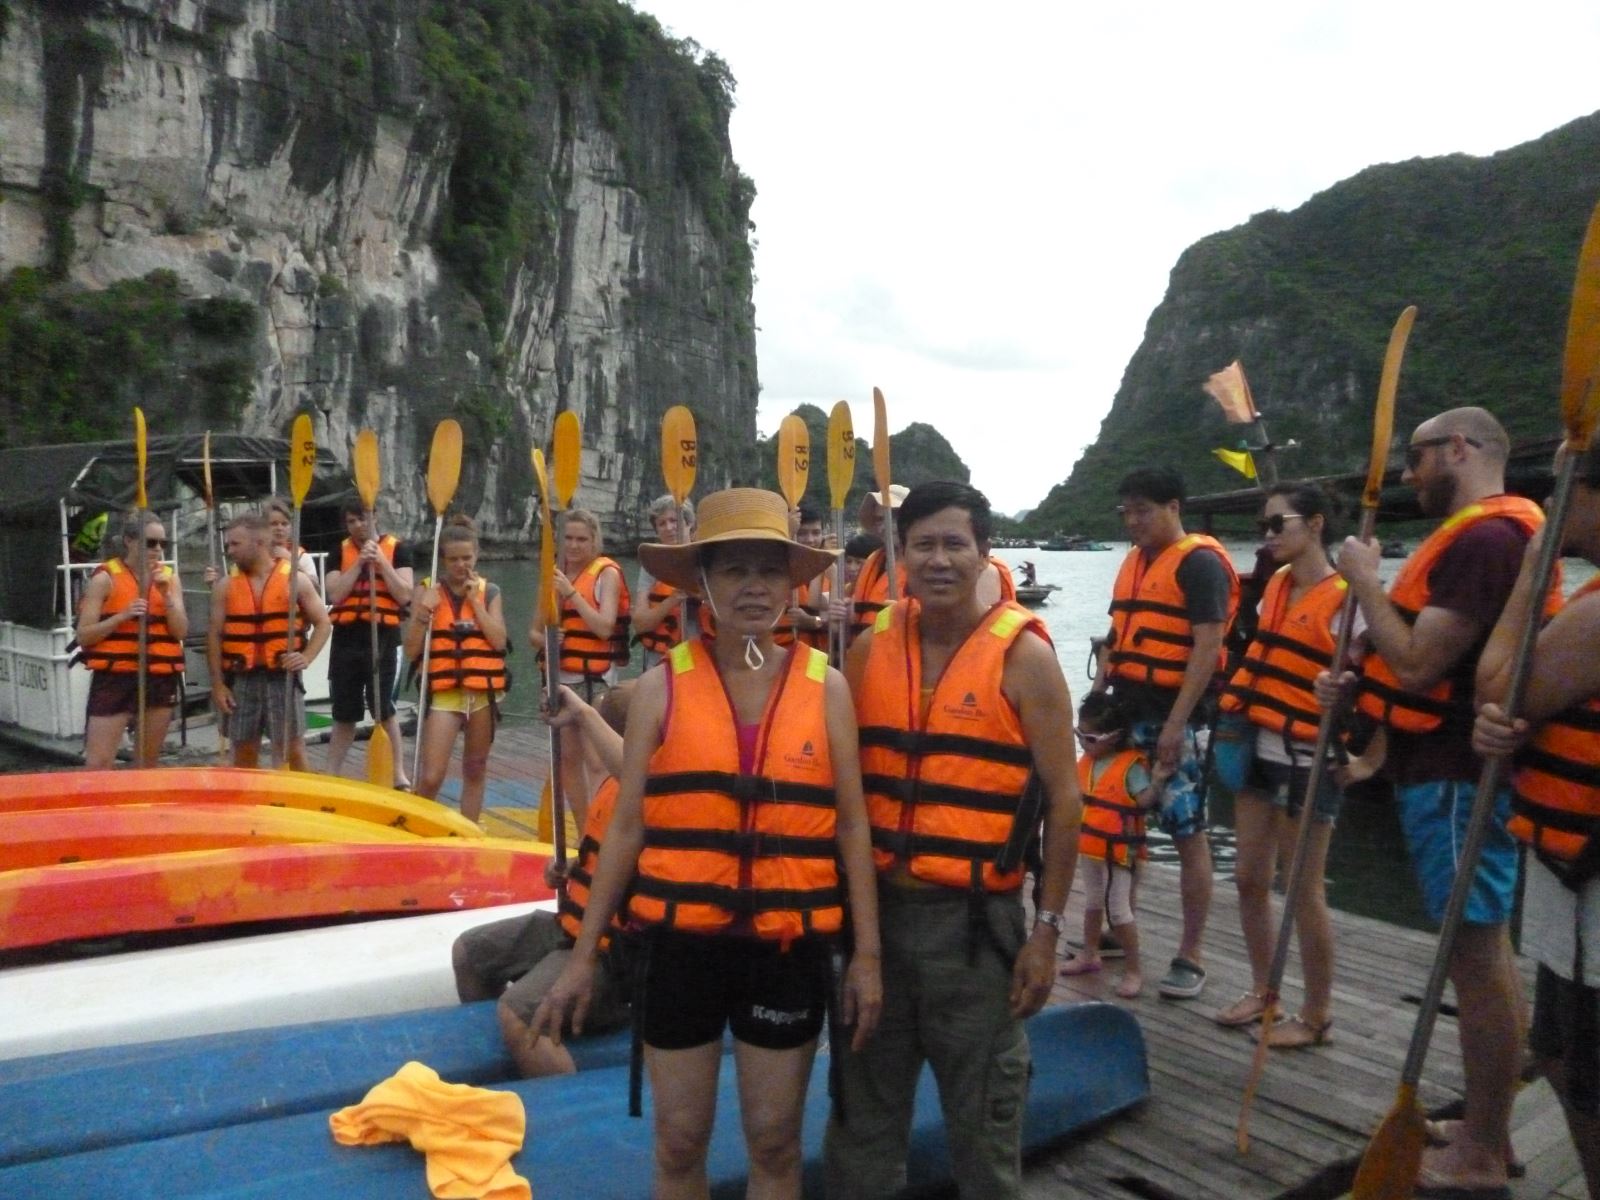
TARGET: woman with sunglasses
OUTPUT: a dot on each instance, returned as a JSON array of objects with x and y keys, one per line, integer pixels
[
  {"x": 1264, "y": 746},
  {"x": 108, "y": 637}
]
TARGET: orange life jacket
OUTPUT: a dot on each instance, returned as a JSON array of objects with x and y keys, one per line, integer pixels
[
  {"x": 255, "y": 633},
  {"x": 1555, "y": 804},
  {"x": 582, "y": 653},
  {"x": 669, "y": 632},
  {"x": 459, "y": 656},
  {"x": 1008, "y": 585},
  {"x": 1381, "y": 696},
  {"x": 355, "y": 607},
  {"x": 871, "y": 594},
  {"x": 810, "y": 597},
  {"x": 1273, "y": 685},
  {"x": 118, "y": 651},
  {"x": 1151, "y": 640},
  {"x": 1113, "y": 827},
  {"x": 580, "y": 876},
  {"x": 943, "y": 780},
  {"x": 726, "y": 851}
]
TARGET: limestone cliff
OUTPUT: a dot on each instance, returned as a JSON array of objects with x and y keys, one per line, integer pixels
[{"x": 385, "y": 212}]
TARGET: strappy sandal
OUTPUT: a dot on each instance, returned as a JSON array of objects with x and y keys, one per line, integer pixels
[
  {"x": 1437, "y": 1133},
  {"x": 1297, "y": 1033},
  {"x": 1246, "y": 1010}
]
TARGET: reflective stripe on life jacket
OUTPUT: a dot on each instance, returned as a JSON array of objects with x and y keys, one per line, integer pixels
[
  {"x": 1555, "y": 804},
  {"x": 871, "y": 594},
  {"x": 1151, "y": 639},
  {"x": 118, "y": 651},
  {"x": 1381, "y": 695},
  {"x": 355, "y": 607},
  {"x": 1293, "y": 642},
  {"x": 580, "y": 875},
  {"x": 582, "y": 653},
  {"x": 943, "y": 786},
  {"x": 255, "y": 633},
  {"x": 1113, "y": 824},
  {"x": 459, "y": 656},
  {"x": 726, "y": 849}
]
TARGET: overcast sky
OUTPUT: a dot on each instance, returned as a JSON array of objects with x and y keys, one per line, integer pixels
[{"x": 976, "y": 207}]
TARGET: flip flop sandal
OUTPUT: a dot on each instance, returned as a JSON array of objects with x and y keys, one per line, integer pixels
[
  {"x": 1296, "y": 1033},
  {"x": 1515, "y": 1168},
  {"x": 1232, "y": 1018}
]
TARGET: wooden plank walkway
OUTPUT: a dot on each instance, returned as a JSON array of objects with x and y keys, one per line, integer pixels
[{"x": 1316, "y": 1108}]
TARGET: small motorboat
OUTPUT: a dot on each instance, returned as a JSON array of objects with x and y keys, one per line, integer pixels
[{"x": 1035, "y": 594}]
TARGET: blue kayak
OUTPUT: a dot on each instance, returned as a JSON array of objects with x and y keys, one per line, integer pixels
[{"x": 1089, "y": 1064}]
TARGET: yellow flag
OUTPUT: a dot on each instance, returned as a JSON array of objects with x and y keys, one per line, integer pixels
[
  {"x": 1229, "y": 388},
  {"x": 1239, "y": 460}
]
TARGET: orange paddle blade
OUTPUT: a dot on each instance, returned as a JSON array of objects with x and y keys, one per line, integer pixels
[
  {"x": 880, "y": 445},
  {"x": 302, "y": 458},
  {"x": 444, "y": 465},
  {"x": 140, "y": 500},
  {"x": 794, "y": 459},
  {"x": 380, "y": 758},
  {"x": 367, "y": 469},
  {"x": 567, "y": 458},
  {"x": 1388, "y": 1169},
  {"x": 1383, "y": 415},
  {"x": 1580, "y": 395},
  {"x": 841, "y": 454},
  {"x": 679, "y": 451},
  {"x": 547, "y": 544}
]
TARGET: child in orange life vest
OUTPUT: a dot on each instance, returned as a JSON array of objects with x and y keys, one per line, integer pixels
[{"x": 1118, "y": 786}]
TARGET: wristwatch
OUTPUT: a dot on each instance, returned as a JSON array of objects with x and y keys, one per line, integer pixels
[{"x": 1046, "y": 917}]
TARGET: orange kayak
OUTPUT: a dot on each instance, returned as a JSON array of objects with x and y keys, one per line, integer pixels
[
  {"x": 235, "y": 785},
  {"x": 46, "y": 836},
  {"x": 187, "y": 889}
]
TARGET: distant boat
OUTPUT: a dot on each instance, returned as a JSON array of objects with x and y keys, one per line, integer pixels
[
  {"x": 1035, "y": 594},
  {"x": 1073, "y": 541}
]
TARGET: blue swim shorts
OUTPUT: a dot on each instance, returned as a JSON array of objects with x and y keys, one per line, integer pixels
[
  {"x": 1183, "y": 802},
  {"x": 1434, "y": 816}
]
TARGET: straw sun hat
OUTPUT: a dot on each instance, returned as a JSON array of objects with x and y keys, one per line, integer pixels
[
  {"x": 871, "y": 503},
  {"x": 734, "y": 515}
]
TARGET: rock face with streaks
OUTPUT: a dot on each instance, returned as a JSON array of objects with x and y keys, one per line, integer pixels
[{"x": 492, "y": 211}]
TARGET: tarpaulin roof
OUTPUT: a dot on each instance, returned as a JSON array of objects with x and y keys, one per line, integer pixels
[{"x": 101, "y": 475}]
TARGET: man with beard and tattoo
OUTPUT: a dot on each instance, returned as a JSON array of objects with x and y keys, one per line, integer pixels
[{"x": 1424, "y": 637}]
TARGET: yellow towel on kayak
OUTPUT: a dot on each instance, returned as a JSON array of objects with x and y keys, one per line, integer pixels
[{"x": 467, "y": 1133}]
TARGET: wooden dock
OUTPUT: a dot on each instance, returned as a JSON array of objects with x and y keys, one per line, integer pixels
[{"x": 1315, "y": 1109}]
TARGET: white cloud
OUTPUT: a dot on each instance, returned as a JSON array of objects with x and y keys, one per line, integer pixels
[{"x": 976, "y": 209}]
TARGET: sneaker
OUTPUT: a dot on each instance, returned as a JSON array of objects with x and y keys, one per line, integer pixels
[{"x": 1184, "y": 980}]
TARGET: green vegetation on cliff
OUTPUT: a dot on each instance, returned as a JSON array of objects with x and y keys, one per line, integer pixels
[{"x": 1485, "y": 247}]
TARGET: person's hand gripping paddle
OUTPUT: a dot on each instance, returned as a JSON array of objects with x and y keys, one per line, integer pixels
[
  {"x": 880, "y": 471},
  {"x": 444, "y": 472},
  {"x": 1388, "y": 1170},
  {"x": 1377, "y": 461},
  {"x": 380, "y": 754},
  {"x": 302, "y": 464},
  {"x": 841, "y": 475}
]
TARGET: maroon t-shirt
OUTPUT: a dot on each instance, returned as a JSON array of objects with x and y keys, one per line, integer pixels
[{"x": 1474, "y": 578}]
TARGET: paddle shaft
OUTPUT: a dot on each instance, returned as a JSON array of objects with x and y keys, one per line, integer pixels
[
  {"x": 552, "y": 682},
  {"x": 422, "y": 695},
  {"x": 836, "y": 629},
  {"x": 290, "y": 677},
  {"x": 1489, "y": 777},
  {"x": 888, "y": 550},
  {"x": 372, "y": 621}
]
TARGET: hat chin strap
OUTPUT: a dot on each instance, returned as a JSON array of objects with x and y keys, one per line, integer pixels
[{"x": 753, "y": 658}]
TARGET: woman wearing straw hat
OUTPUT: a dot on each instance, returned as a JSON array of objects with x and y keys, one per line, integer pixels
[{"x": 741, "y": 797}]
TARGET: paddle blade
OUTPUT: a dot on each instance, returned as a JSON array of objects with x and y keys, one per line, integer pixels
[
  {"x": 302, "y": 458},
  {"x": 679, "y": 451},
  {"x": 1388, "y": 1169},
  {"x": 1580, "y": 397},
  {"x": 547, "y": 543},
  {"x": 205, "y": 466},
  {"x": 1258, "y": 1068},
  {"x": 140, "y": 500},
  {"x": 880, "y": 445},
  {"x": 567, "y": 458},
  {"x": 444, "y": 465},
  {"x": 841, "y": 454},
  {"x": 380, "y": 758},
  {"x": 794, "y": 459},
  {"x": 1383, "y": 415},
  {"x": 366, "y": 464}
]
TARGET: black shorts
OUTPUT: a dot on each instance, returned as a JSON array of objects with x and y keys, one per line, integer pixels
[
  {"x": 696, "y": 986},
  {"x": 350, "y": 670},
  {"x": 114, "y": 693},
  {"x": 1566, "y": 1030}
]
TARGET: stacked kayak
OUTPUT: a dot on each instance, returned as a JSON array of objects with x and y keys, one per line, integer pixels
[
  {"x": 247, "y": 1114},
  {"x": 101, "y": 854}
]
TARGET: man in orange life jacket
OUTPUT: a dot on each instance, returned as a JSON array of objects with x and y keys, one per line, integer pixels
[
  {"x": 1173, "y": 601},
  {"x": 956, "y": 701},
  {"x": 518, "y": 959},
  {"x": 1424, "y": 638},
  {"x": 365, "y": 561},
  {"x": 871, "y": 590},
  {"x": 247, "y": 640},
  {"x": 808, "y": 616},
  {"x": 1556, "y": 813}
]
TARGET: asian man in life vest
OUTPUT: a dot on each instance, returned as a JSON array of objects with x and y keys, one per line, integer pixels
[
  {"x": 1555, "y": 812},
  {"x": 1424, "y": 636},
  {"x": 958, "y": 703},
  {"x": 1175, "y": 596}
]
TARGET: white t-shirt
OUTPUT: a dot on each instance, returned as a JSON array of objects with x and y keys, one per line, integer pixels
[{"x": 1551, "y": 916}]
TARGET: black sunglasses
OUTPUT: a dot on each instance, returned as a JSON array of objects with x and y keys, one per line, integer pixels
[
  {"x": 1276, "y": 522},
  {"x": 1415, "y": 449},
  {"x": 156, "y": 543}
]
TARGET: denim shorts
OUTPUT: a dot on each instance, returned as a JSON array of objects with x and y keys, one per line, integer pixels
[
  {"x": 1236, "y": 765},
  {"x": 1183, "y": 800},
  {"x": 1434, "y": 815}
]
